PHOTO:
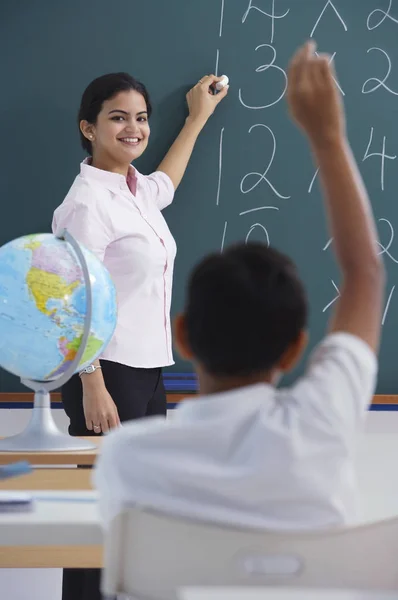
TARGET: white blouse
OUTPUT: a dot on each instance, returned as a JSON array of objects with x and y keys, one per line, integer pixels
[{"x": 123, "y": 225}]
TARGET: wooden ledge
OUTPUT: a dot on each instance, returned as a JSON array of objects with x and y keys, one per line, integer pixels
[
  {"x": 27, "y": 398},
  {"x": 54, "y": 557}
]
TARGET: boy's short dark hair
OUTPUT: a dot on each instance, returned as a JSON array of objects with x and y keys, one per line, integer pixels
[{"x": 244, "y": 308}]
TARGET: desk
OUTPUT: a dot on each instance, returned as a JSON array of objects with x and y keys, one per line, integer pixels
[
  {"x": 63, "y": 530},
  {"x": 61, "y": 474},
  {"x": 275, "y": 593},
  {"x": 68, "y": 457}
]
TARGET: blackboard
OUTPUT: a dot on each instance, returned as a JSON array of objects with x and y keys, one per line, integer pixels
[{"x": 251, "y": 175}]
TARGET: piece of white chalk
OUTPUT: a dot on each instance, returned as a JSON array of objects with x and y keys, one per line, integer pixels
[{"x": 220, "y": 84}]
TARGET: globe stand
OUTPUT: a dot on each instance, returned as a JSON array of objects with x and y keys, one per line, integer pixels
[{"x": 41, "y": 433}]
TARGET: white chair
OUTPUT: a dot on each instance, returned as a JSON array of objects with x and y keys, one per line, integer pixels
[{"x": 151, "y": 555}]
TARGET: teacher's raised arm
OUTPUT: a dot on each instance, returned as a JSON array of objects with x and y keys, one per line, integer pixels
[{"x": 201, "y": 103}]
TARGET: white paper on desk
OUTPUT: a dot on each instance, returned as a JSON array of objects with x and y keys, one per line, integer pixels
[{"x": 16, "y": 501}]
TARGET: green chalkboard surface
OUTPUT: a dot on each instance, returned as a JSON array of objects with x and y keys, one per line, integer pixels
[{"x": 251, "y": 175}]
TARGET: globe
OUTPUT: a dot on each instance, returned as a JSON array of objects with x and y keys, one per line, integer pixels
[{"x": 43, "y": 307}]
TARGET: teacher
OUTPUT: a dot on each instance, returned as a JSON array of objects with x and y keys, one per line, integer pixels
[{"x": 115, "y": 212}]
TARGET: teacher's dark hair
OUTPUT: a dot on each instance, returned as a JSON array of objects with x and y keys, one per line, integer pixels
[
  {"x": 244, "y": 308},
  {"x": 101, "y": 89}
]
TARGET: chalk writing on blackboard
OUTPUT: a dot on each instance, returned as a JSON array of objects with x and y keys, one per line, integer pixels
[
  {"x": 386, "y": 249},
  {"x": 223, "y": 235},
  {"x": 381, "y": 154},
  {"x": 385, "y": 14},
  {"x": 271, "y": 15},
  {"x": 387, "y": 305},
  {"x": 379, "y": 82},
  {"x": 334, "y": 299},
  {"x": 313, "y": 181},
  {"x": 246, "y": 212},
  {"x": 260, "y": 69},
  {"x": 219, "y": 166},
  {"x": 330, "y": 13},
  {"x": 259, "y": 177},
  {"x": 221, "y": 18},
  {"x": 254, "y": 227},
  {"x": 328, "y": 3}
]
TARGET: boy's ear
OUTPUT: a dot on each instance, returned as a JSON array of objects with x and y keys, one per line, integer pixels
[
  {"x": 294, "y": 352},
  {"x": 181, "y": 338}
]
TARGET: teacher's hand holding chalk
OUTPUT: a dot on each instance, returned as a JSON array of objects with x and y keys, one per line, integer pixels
[{"x": 201, "y": 100}]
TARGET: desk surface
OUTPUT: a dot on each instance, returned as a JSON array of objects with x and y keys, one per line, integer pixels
[
  {"x": 68, "y": 457},
  {"x": 63, "y": 530},
  {"x": 57, "y": 518}
]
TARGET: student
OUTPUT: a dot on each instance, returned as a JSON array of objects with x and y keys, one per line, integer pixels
[{"x": 246, "y": 452}]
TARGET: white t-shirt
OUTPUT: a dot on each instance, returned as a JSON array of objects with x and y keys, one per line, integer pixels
[
  {"x": 120, "y": 221},
  {"x": 256, "y": 456}
]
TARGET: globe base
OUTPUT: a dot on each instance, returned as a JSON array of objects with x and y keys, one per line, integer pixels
[{"x": 42, "y": 434}]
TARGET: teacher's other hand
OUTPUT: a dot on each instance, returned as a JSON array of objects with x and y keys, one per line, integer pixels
[{"x": 100, "y": 410}]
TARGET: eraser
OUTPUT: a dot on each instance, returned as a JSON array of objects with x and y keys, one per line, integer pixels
[{"x": 221, "y": 84}]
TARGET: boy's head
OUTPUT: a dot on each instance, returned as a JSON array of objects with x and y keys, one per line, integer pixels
[{"x": 245, "y": 315}]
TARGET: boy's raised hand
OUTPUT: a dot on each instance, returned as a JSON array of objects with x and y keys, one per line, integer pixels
[{"x": 312, "y": 95}]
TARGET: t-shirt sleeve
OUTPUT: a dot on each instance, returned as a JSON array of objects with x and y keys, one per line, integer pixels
[
  {"x": 161, "y": 189},
  {"x": 86, "y": 219},
  {"x": 339, "y": 382}
]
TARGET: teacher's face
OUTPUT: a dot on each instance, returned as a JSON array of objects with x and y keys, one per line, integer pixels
[{"x": 122, "y": 130}]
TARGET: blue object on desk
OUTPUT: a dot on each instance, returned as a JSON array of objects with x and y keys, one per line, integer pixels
[
  {"x": 15, "y": 469},
  {"x": 16, "y": 501}
]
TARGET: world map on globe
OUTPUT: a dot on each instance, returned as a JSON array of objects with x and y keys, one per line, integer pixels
[{"x": 43, "y": 307}]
